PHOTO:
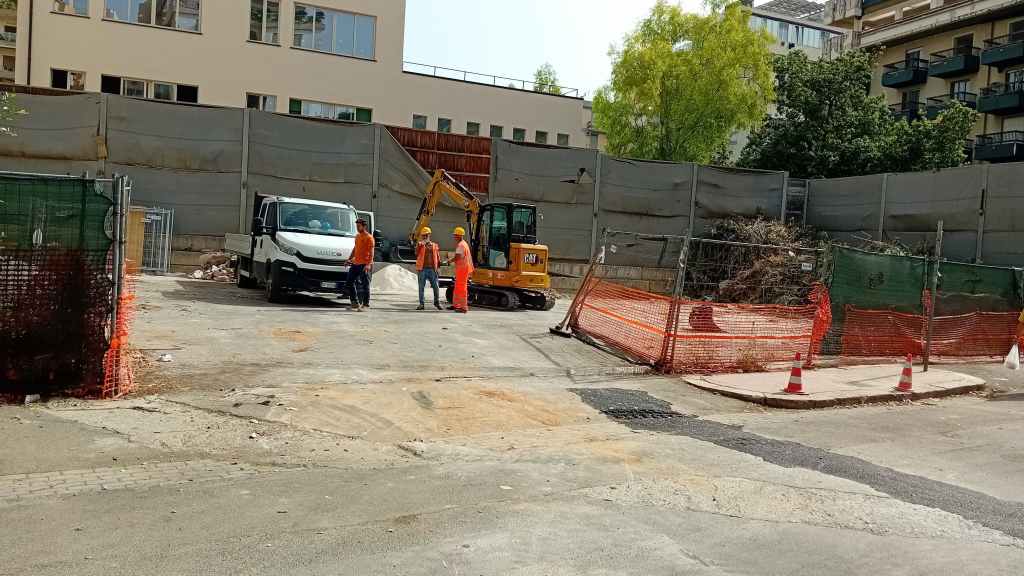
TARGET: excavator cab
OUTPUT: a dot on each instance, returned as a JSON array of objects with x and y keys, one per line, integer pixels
[{"x": 499, "y": 227}]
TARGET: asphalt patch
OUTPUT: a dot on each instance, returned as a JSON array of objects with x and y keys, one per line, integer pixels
[{"x": 1003, "y": 515}]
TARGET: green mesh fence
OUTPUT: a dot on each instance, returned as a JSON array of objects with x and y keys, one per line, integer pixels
[
  {"x": 871, "y": 281},
  {"x": 55, "y": 286}
]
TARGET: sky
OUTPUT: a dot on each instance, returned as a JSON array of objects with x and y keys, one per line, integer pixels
[{"x": 512, "y": 38}]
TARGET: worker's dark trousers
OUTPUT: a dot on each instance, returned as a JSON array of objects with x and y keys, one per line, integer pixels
[{"x": 358, "y": 284}]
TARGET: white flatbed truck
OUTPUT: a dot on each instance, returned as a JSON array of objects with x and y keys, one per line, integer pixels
[{"x": 296, "y": 245}]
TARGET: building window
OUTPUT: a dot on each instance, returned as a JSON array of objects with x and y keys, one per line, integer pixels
[
  {"x": 177, "y": 14},
  {"x": 958, "y": 88},
  {"x": 315, "y": 109},
  {"x": 261, "y": 102},
  {"x": 563, "y": 139},
  {"x": 519, "y": 134},
  {"x": 1015, "y": 79},
  {"x": 497, "y": 131},
  {"x": 149, "y": 89},
  {"x": 76, "y": 7},
  {"x": 335, "y": 31},
  {"x": 963, "y": 44},
  {"x": 473, "y": 128},
  {"x": 541, "y": 137},
  {"x": 9, "y": 62},
  {"x": 419, "y": 121},
  {"x": 264, "y": 21},
  {"x": 444, "y": 125}
]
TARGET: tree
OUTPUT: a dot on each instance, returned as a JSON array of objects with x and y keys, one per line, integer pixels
[
  {"x": 545, "y": 79},
  {"x": 827, "y": 125},
  {"x": 8, "y": 4},
  {"x": 683, "y": 83}
]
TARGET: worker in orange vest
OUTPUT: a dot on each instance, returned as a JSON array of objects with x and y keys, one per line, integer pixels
[
  {"x": 463, "y": 270},
  {"x": 360, "y": 265},
  {"x": 428, "y": 261}
]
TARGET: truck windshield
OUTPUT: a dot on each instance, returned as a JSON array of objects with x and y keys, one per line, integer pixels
[{"x": 317, "y": 219}]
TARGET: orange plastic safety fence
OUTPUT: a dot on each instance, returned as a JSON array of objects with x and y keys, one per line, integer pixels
[
  {"x": 629, "y": 320},
  {"x": 894, "y": 334},
  {"x": 706, "y": 337},
  {"x": 118, "y": 373}
]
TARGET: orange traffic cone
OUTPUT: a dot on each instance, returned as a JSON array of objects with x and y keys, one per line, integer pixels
[
  {"x": 906, "y": 377},
  {"x": 796, "y": 381}
]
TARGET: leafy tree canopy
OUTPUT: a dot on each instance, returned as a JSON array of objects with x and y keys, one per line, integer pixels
[
  {"x": 827, "y": 125},
  {"x": 545, "y": 79},
  {"x": 683, "y": 83}
]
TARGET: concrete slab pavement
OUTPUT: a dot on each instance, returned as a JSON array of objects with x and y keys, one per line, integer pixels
[{"x": 838, "y": 386}]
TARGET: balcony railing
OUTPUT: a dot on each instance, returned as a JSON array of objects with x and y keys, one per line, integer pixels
[
  {"x": 490, "y": 79},
  {"x": 9, "y": 37},
  {"x": 998, "y": 88},
  {"x": 1008, "y": 137},
  {"x": 906, "y": 72},
  {"x": 908, "y": 110},
  {"x": 936, "y": 104},
  {"x": 1004, "y": 51}
]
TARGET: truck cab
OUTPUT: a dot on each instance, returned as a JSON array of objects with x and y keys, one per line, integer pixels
[{"x": 296, "y": 245}]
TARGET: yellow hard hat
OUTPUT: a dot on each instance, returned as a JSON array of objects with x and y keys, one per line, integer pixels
[
  {"x": 425, "y": 230},
  {"x": 459, "y": 231}
]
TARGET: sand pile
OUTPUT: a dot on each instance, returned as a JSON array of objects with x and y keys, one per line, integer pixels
[{"x": 393, "y": 278}]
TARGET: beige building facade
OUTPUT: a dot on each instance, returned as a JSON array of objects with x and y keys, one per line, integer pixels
[
  {"x": 339, "y": 59},
  {"x": 934, "y": 52}
]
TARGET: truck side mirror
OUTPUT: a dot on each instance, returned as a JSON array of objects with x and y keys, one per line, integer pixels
[
  {"x": 257, "y": 226},
  {"x": 378, "y": 236}
]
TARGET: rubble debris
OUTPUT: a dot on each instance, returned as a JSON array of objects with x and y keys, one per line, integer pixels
[
  {"x": 215, "y": 266},
  {"x": 165, "y": 358},
  {"x": 393, "y": 278}
]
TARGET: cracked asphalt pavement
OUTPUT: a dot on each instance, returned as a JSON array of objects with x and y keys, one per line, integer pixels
[{"x": 303, "y": 439}]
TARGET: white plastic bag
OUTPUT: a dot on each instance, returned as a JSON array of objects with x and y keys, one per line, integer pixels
[{"x": 1012, "y": 361}]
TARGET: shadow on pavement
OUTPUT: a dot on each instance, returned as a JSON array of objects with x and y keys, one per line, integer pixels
[
  {"x": 1015, "y": 397},
  {"x": 231, "y": 295}
]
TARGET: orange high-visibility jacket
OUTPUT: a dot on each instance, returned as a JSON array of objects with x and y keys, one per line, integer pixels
[
  {"x": 421, "y": 253},
  {"x": 466, "y": 262}
]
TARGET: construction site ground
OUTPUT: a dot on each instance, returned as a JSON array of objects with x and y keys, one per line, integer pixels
[{"x": 305, "y": 438}]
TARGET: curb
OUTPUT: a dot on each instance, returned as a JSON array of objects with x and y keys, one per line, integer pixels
[{"x": 796, "y": 403}]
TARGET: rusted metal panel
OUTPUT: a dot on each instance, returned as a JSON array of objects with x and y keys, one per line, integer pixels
[{"x": 468, "y": 158}]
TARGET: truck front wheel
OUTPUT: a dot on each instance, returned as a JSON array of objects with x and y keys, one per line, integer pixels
[
  {"x": 275, "y": 293},
  {"x": 244, "y": 281}
]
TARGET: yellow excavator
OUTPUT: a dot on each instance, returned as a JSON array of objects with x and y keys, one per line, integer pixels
[{"x": 511, "y": 268}]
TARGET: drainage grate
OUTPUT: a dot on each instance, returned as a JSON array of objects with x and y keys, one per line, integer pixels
[{"x": 638, "y": 413}]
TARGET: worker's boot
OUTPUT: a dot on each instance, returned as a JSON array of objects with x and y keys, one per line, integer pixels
[
  {"x": 420, "y": 307},
  {"x": 437, "y": 305}
]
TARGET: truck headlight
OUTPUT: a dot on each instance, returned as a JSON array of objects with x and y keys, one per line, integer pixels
[{"x": 289, "y": 250}]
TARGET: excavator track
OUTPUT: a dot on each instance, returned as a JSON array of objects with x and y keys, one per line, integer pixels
[{"x": 491, "y": 297}]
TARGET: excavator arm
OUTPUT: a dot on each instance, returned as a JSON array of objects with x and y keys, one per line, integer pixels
[{"x": 441, "y": 185}]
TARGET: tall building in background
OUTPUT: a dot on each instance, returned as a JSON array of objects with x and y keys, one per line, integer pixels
[
  {"x": 934, "y": 52},
  {"x": 794, "y": 25},
  {"x": 338, "y": 59}
]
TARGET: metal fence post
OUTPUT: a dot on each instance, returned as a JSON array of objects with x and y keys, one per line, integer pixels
[
  {"x": 375, "y": 181},
  {"x": 597, "y": 203},
  {"x": 785, "y": 194},
  {"x": 101, "y": 137},
  {"x": 243, "y": 192},
  {"x": 881, "y": 210},
  {"x": 933, "y": 296},
  {"x": 980, "y": 241}
]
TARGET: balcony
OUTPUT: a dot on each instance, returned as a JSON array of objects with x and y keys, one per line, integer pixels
[
  {"x": 1002, "y": 99},
  {"x": 905, "y": 73},
  {"x": 1000, "y": 147},
  {"x": 908, "y": 111},
  {"x": 937, "y": 104},
  {"x": 8, "y": 38},
  {"x": 1004, "y": 51},
  {"x": 869, "y": 3},
  {"x": 954, "y": 62},
  {"x": 841, "y": 11}
]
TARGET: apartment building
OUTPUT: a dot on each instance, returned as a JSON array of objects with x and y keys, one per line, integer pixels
[
  {"x": 794, "y": 25},
  {"x": 8, "y": 43},
  {"x": 338, "y": 59},
  {"x": 935, "y": 52}
]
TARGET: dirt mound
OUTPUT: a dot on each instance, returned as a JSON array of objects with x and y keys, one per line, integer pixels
[{"x": 393, "y": 278}]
